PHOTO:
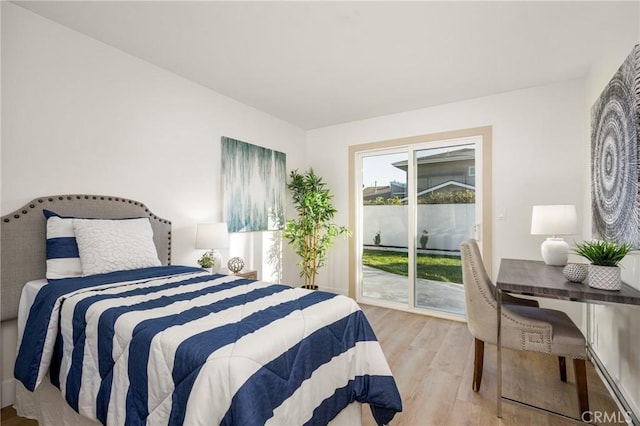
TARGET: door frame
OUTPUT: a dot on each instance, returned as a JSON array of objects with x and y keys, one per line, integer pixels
[{"x": 485, "y": 226}]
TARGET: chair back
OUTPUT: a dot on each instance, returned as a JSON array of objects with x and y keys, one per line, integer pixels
[{"x": 479, "y": 293}]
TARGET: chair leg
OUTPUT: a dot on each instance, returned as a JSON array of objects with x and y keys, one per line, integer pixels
[
  {"x": 562, "y": 363},
  {"x": 477, "y": 365},
  {"x": 580, "y": 369}
]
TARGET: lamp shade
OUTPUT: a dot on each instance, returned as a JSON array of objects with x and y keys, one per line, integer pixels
[
  {"x": 554, "y": 220},
  {"x": 212, "y": 236}
]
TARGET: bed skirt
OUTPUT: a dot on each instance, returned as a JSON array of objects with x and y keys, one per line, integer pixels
[{"x": 47, "y": 406}]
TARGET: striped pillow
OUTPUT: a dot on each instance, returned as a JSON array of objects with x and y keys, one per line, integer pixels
[{"x": 63, "y": 258}]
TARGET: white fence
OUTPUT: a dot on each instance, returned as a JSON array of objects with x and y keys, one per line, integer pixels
[{"x": 448, "y": 225}]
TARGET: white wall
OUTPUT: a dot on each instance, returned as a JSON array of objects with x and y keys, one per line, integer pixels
[
  {"x": 615, "y": 334},
  {"x": 448, "y": 225},
  {"x": 82, "y": 117}
]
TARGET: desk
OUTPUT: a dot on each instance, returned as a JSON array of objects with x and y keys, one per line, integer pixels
[{"x": 535, "y": 278}]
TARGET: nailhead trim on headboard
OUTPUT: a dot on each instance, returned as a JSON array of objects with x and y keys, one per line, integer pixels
[
  {"x": 31, "y": 205},
  {"x": 23, "y": 237}
]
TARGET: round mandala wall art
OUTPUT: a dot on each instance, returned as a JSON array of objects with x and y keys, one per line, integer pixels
[{"x": 615, "y": 118}]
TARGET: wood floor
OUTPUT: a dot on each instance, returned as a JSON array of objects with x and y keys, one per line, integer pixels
[
  {"x": 10, "y": 418},
  {"x": 432, "y": 361}
]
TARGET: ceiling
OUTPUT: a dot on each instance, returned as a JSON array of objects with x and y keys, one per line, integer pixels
[{"x": 315, "y": 64}]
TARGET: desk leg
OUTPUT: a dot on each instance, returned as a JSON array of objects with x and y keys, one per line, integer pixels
[
  {"x": 499, "y": 356},
  {"x": 588, "y": 339}
]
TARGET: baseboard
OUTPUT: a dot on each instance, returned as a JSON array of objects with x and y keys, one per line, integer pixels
[
  {"x": 8, "y": 392},
  {"x": 624, "y": 402}
]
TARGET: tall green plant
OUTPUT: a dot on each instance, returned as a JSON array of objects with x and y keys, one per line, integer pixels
[{"x": 313, "y": 232}]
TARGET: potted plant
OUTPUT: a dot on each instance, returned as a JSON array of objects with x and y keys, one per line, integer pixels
[
  {"x": 377, "y": 239},
  {"x": 424, "y": 239},
  {"x": 207, "y": 261},
  {"x": 313, "y": 232},
  {"x": 604, "y": 272}
]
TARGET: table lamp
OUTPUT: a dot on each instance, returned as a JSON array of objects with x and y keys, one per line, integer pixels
[
  {"x": 213, "y": 236},
  {"x": 554, "y": 220}
]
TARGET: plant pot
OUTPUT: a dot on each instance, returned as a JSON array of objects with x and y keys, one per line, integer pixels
[
  {"x": 424, "y": 240},
  {"x": 210, "y": 270},
  {"x": 604, "y": 277}
]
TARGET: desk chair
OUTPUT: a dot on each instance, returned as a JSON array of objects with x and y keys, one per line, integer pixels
[{"x": 525, "y": 326}]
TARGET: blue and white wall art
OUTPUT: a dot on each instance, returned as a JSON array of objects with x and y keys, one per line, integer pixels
[{"x": 254, "y": 186}]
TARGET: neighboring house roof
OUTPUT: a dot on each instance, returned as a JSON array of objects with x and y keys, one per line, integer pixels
[
  {"x": 392, "y": 190},
  {"x": 443, "y": 185},
  {"x": 398, "y": 187},
  {"x": 443, "y": 157},
  {"x": 378, "y": 191}
]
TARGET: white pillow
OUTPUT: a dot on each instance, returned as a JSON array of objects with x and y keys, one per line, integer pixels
[{"x": 114, "y": 245}]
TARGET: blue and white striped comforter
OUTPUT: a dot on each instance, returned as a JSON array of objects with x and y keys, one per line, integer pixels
[{"x": 175, "y": 345}]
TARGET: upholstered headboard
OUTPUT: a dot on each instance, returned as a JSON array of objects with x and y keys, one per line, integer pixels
[{"x": 23, "y": 237}]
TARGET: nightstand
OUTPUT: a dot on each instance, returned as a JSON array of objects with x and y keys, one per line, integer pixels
[{"x": 252, "y": 275}]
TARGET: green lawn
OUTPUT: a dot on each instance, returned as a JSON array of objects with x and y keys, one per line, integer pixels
[{"x": 429, "y": 266}]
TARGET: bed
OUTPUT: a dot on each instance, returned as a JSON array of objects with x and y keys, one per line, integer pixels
[{"x": 155, "y": 343}]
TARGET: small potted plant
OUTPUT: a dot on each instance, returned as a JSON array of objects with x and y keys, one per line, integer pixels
[
  {"x": 604, "y": 272},
  {"x": 207, "y": 261},
  {"x": 424, "y": 239}
]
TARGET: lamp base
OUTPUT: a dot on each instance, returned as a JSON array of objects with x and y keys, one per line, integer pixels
[
  {"x": 555, "y": 251},
  {"x": 218, "y": 262}
]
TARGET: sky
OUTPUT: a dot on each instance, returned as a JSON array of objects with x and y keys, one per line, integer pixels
[{"x": 379, "y": 169}]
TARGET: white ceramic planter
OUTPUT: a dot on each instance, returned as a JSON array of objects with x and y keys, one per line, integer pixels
[{"x": 604, "y": 277}]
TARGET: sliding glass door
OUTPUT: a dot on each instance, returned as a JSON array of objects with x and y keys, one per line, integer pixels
[{"x": 415, "y": 205}]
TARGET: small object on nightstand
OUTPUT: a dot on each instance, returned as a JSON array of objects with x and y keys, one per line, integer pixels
[
  {"x": 212, "y": 236},
  {"x": 207, "y": 261},
  {"x": 252, "y": 275},
  {"x": 235, "y": 264}
]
